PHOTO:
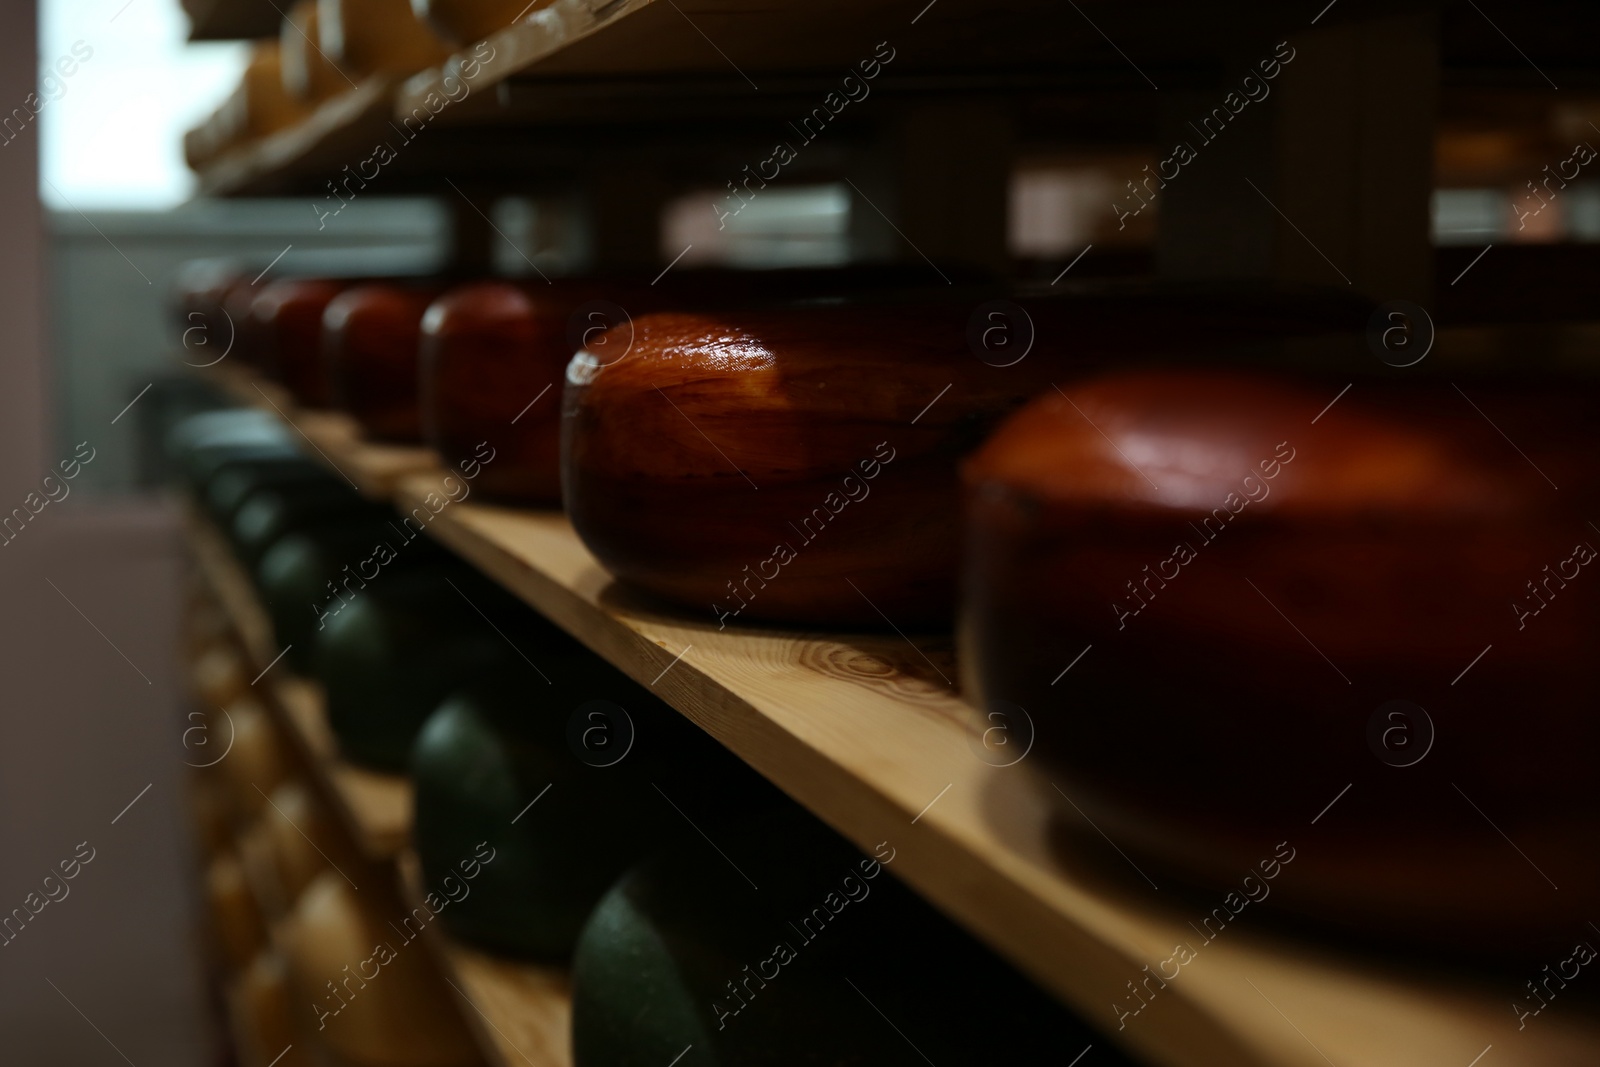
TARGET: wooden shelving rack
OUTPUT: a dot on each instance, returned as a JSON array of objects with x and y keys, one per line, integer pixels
[{"x": 868, "y": 731}]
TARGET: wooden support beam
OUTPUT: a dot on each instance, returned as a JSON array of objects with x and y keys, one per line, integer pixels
[
  {"x": 1328, "y": 179},
  {"x": 936, "y": 186}
]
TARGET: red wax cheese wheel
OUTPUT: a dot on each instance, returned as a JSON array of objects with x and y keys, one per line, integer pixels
[
  {"x": 800, "y": 464},
  {"x": 494, "y": 354},
  {"x": 369, "y": 344},
  {"x": 493, "y": 357},
  {"x": 1273, "y": 604},
  {"x": 286, "y": 317}
]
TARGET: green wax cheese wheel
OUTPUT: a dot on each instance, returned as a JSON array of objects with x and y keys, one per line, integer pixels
[
  {"x": 390, "y": 654},
  {"x": 585, "y": 827},
  {"x": 811, "y": 954},
  {"x": 235, "y": 480},
  {"x": 202, "y": 443},
  {"x": 272, "y": 511},
  {"x": 567, "y": 780},
  {"x": 204, "y": 462},
  {"x": 306, "y": 575}
]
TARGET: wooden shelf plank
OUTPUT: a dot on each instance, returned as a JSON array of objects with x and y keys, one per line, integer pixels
[
  {"x": 653, "y": 42},
  {"x": 521, "y": 1012}
]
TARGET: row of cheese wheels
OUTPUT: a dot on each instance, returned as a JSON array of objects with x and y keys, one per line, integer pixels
[
  {"x": 804, "y": 405},
  {"x": 1278, "y": 576}
]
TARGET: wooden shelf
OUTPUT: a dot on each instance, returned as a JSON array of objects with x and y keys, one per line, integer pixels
[
  {"x": 342, "y": 132},
  {"x": 521, "y": 1012},
  {"x": 655, "y": 46},
  {"x": 657, "y": 67}
]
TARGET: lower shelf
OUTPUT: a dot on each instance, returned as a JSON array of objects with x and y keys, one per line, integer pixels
[{"x": 522, "y": 1012}]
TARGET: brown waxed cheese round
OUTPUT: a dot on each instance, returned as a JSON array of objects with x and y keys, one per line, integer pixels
[
  {"x": 493, "y": 356},
  {"x": 256, "y": 761},
  {"x": 236, "y": 325},
  {"x": 365, "y": 37},
  {"x": 726, "y": 461},
  {"x": 1250, "y": 591},
  {"x": 286, "y": 319},
  {"x": 199, "y": 292},
  {"x": 374, "y": 1009},
  {"x": 235, "y": 916},
  {"x": 799, "y": 464},
  {"x": 370, "y": 335},
  {"x": 749, "y": 464}
]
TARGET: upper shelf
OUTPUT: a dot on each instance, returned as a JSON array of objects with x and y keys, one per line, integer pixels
[
  {"x": 230, "y": 20},
  {"x": 658, "y": 67},
  {"x": 869, "y": 732}
]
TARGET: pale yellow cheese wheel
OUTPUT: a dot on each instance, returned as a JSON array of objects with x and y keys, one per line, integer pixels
[
  {"x": 303, "y": 837},
  {"x": 235, "y": 917},
  {"x": 462, "y": 22},
  {"x": 204, "y": 623},
  {"x": 257, "y": 762},
  {"x": 401, "y": 1014},
  {"x": 268, "y": 106},
  {"x": 210, "y": 807},
  {"x": 259, "y": 106},
  {"x": 377, "y": 37},
  {"x": 218, "y": 677},
  {"x": 308, "y": 73},
  {"x": 268, "y": 1013}
]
